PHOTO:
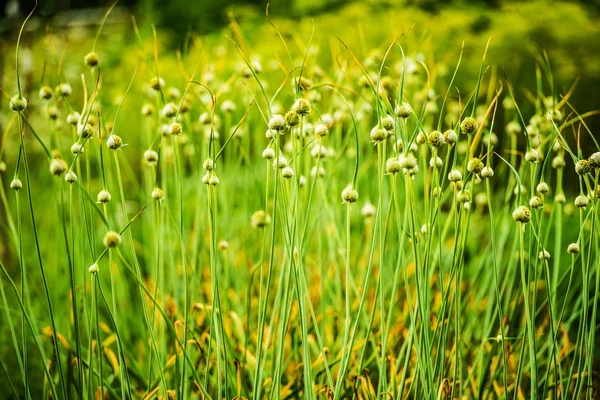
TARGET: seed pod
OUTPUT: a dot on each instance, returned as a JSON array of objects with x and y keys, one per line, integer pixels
[
  {"x": 317, "y": 172},
  {"x": 151, "y": 157},
  {"x": 583, "y": 167},
  {"x": 157, "y": 83},
  {"x": 536, "y": 202},
  {"x": 302, "y": 181},
  {"x": 291, "y": 119},
  {"x": 206, "y": 178},
  {"x": 112, "y": 239},
  {"x": 436, "y": 139},
  {"x": 213, "y": 181},
  {"x": 378, "y": 134},
  {"x": 581, "y": 201},
  {"x": 522, "y": 214},
  {"x": 321, "y": 130},
  {"x": 58, "y": 167},
  {"x": 277, "y": 123},
  {"x": 93, "y": 269},
  {"x": 475, "y": 165},
  {"x": 558, "y": 162},
  {"x": 421, "y": 138},
  {"x": 595, "y": 160},
  {"x": 464, "y": 196},
  {"x": 387, "y": 122},
  {"x": 573, "y": 248},
  {"x": 287, "y": 172},
  {"x": 454, "y": 176},
  {"x": 560, "y": 198},
  {"x": 104, "y": 196},
  {"x": 73, "y": 118},
  {"x": 18, "y": 103},
  {"x": 16, "y": 184},
  {"x": 65, "y": 90},
  {"x": 368, "y": 210},
  {"x": 46, "y": 93},
  {"x": 437, "y": 161},
  {"x": 450, "y": 136},
  {"x": 158, "y": 194},
  {"x": 487, "y": 172},
  {"x": 349, "y": 195},
  {"x": 147, "y": 110},
  {"x": 281, "y": 162},
  {"x": 169, "y": 110},
  {"x": 228, "y": 106},
  {"x": 544, "y": 255},
  {"x": 260, "y": 219},
  {"x": 532, "y": 156},
  {"x": 407, "y": 161},
  {"x": 114, "y": 142},
  {"x": 175, "y": 129},
  {"x": 268, "y": 153},
  {"x": 70, "y": 177},
  {"x": 223, "y": 245},
  {"x": 403, "y": 110},
  {"x": 77, "y": 148},
  {"x": 302, "y": 107},
  {"x": 92, "y": 59},
  {"x": 469, "y": 125},
  {"x": 542, "y": 188},
  {"x": 392, "y": 165}
]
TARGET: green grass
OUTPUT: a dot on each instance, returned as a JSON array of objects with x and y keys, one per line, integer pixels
[{"x": 371, "y": 251}]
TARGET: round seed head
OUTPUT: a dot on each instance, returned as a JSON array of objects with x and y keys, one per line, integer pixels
[
  {"x": 513, "y": 128},
  {"x": 455, "y": 176},
  {"x": 16, "y": 184},
  {"x": 378, "y": 134},
  {"x": 536, "y": 202},
  {"x": 223, "y": 245},
  {"x": 560, "y": 198},
  {"x": 77, "y": 148},
  {"x": 487, "y": 172},
  {"x": 281, "y": 162},
  {"x": 147, "y": 110},
  {"x": 114, "y": 142},
  {"x": 208, "y": 164},
  {"x": 93, "y": 269},
  {"x": 558, "y": 162},
  {"x": 436, "y": 139},
  {"x": 151, "y": 157},
  {"x": 392, "y": 165},
  {"x": 583, "y": 167},
  {"x": 469, "y": 125},
  {"x": 532, "y": 156},
  {"x": 387, "y": 123},
  {"x": 581, "y": 201},
  {"x": 421, "y": 138},
  {"x": 320, "y": 130},
  {"x": 73, "y": 118},
  {"x": 57, "y": 167},
  {"x": 18, "y": 103},
  {"x": 158, "y": 194},
  {"x": 403, "y": 110},
  {"x": 542, "y": 188},
  {"x": 302, "y": 107},
  {"x": 228, "y": 106},
  {"x": 65, "y": 90},
  {"x": 175, "y": 129},
  {"x": 213, "y": 181},
  {"x": 104, "y": 196},
  {"x": 46, "y": 93},
  {"x": 407, "y": 161},
  {"x": 437, "y": 161},
  {"x": 287, "y": 172},
  {"x": 85, "y": 131},
  {"x": 544, "y": 255},
  {"x": 157, "y": 83},
  {"x": 573, "y": 248},
  {"x": 349, "y": 195},
  {"x": 475, "y": 165},
  {"x": 277, "y": 123},
  {"x": 291, "y": 118},
  {"x": 302, "y": 181},
  {"x": 464, "y": 196},
  {"x": 268, "y": 153},
  {"x": 595, "y": 160},
  {"x": 522, "y": 214},
  {"x": 206, "y": 178},
  {"x": 112, "y": 239},
  {"x": 450, "y": 136},
  {"x": 70, "y": 177},
  {"x": 92, "y": 59},
  {"x": 169, "y": 110},
  {"x": 368, "y": 210},
  {"x": 317, "y": 172},
  {"x": 260, "y": 219}
]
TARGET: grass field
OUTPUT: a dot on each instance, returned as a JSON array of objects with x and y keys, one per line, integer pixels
[{"x": 337, "y": 208}]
